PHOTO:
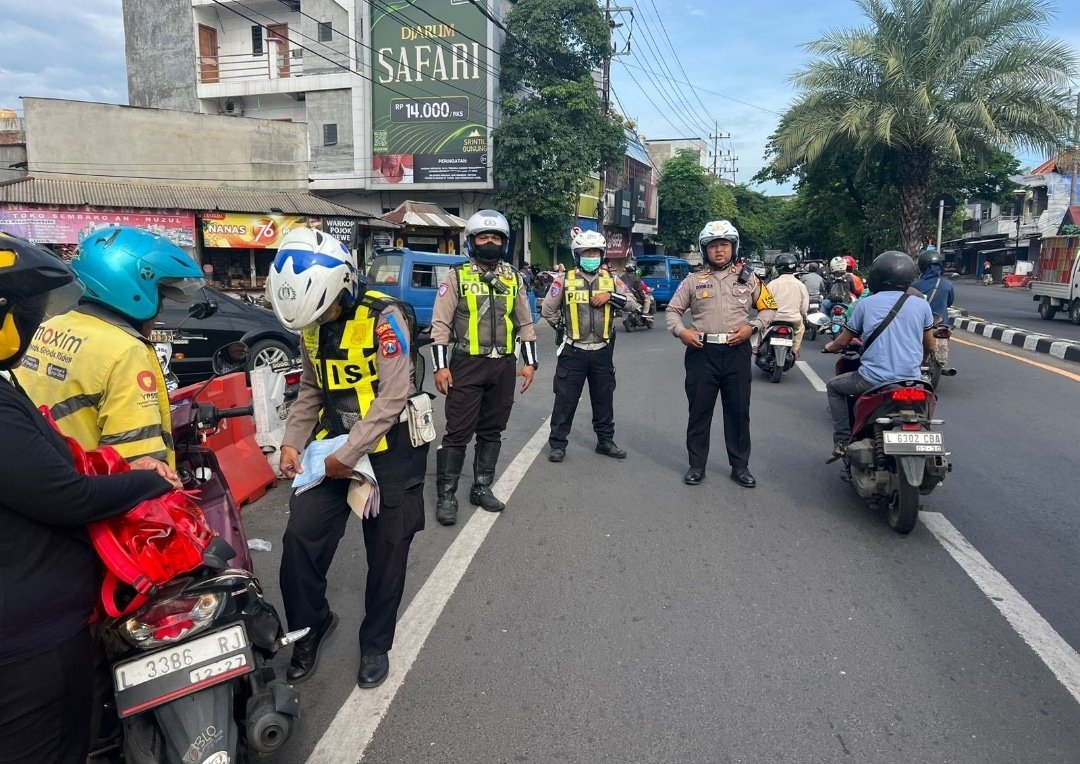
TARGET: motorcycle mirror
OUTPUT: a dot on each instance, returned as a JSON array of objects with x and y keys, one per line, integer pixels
[
  {"x": 230, "y": 358},
  {"x": 201, "y": 310}
]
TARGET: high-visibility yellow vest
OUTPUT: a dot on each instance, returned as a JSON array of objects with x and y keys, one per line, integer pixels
[
  {"x": 347, "y": 367},
  {"x": 102, "y": 382},
  {"x": 580, "y": 314},
  {"x": 485, "y": 318}
]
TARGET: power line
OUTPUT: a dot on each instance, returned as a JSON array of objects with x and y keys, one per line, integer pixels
[
  {"x": 678, "y": 61},
  {"x": 663, "y": 94},
  {"x": 359, "y": 176},
  {"x": 710, "y": 92}
]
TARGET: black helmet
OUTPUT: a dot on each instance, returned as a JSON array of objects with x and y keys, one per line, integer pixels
[
  {"x": 786, "y": 262},
  {"x": 32, "y": 281},
  {"x": 930, "y": 256},
  {"x": 812, "y": 267},
  {"x": 892, "y": 271}
]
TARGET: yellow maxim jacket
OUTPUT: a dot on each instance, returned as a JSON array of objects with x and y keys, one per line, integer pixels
[{"x": 102, "y": 381}]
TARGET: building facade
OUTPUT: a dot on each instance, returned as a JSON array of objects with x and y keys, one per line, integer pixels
[{"x": 398, "y": 101}]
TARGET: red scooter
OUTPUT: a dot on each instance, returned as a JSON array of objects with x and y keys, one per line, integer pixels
[{"x": 897, "y": 451}]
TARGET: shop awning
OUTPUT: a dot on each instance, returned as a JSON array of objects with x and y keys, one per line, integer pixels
[
  {"x": 423, "y": 215},
  {"x": 95, "y": 193}
]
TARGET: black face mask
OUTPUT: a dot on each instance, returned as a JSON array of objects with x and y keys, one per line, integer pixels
[{"x": 488, "y": 253}]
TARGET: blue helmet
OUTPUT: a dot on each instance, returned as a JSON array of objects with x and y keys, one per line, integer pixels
[{"x": 128, "y": 270}]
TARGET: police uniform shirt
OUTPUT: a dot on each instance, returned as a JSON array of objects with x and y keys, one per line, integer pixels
[
  {"x": 446, "y": 305},
  {"x": 552, "y": 308},
  {"x": 395, "y": 387},
  {"x": 718, "y": 303}
]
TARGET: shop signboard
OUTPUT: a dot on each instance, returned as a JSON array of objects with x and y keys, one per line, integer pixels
[
  {"x": 62, "y": 224},
  {"x": 340, "y": 228},
  {"x": 237, "y": 230},
  {"x": 430, "y": 93}
]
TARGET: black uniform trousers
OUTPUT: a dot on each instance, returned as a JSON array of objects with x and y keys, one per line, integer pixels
[
  {"x": 46, "y": 704},
  {"x": 574, "y": 368},
  {"x": 723, "y": 370},
  {"x": 317, "y": 519},
  {"x": 480, "y": 399}
]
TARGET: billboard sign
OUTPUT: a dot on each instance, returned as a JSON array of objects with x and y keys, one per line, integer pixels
[
  {"x": 59, "y": 224},
  {"x": 235, "y": 230},
  {"x": 430, "y": 93}
]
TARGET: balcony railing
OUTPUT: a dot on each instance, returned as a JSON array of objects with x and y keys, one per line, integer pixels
[{"x": 269, "y": 66}]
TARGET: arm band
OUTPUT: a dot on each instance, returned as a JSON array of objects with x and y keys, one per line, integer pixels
[
  {"x": 528, "y": 353},
  {"x": 438, "y": 356}
]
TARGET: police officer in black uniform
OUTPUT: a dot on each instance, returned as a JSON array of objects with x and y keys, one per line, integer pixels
[
  {"x": 584, "y": 302},
  {"x": 357, "y": 378},
  {"x": 481, "y": 314},
  {"x": 719, "y": 297}
]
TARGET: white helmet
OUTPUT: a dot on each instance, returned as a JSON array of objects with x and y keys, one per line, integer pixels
[
  {"x": 311, "y": 272},
  {"x": 838, "y": 265},
  {"x": 588, "y": 240},
  {"x": 486, "y": 221},
  {"x": 718, "y": 229}
]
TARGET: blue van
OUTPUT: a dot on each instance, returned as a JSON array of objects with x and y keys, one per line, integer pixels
[
  {"x": 663, "y": 274},
  {"x": 414, "y": 277}
]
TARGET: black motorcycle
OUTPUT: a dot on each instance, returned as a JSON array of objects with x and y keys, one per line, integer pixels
[
  {"x": 775, "y": 353},
  {"x": 637, "y": 319}
]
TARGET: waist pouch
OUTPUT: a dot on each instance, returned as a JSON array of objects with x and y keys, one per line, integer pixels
[
  {"x": 147, "y": 546},
  {"x": 421, "y": 417}
]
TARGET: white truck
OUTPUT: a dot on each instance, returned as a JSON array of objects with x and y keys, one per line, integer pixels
[{"x": 1057, "y": 278}]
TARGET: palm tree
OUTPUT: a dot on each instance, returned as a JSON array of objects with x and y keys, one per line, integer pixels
[{"x": 929, "y": 79}]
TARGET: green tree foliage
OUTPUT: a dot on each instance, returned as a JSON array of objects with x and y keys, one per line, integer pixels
[
  {"x": 925, "y": 83},
  {"x": 553, "y": 134},
  {"x": 689, "y": 197},
  {"x": 757, "y": 217}
]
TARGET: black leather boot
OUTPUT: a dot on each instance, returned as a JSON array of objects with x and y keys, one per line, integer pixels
[
  {"x": 448, "y": 464},
  {"x": 487, "y": 456}
]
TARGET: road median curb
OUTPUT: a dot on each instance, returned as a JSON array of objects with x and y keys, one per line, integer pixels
[{"x": 1066, "y": 350}]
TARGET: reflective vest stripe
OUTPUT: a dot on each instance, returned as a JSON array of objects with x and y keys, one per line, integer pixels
[
  {"x": 578, "y": 296},
  {"x": 472, "y": 289}
]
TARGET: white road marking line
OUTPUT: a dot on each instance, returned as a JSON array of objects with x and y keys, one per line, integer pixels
[
  {"x": 811, "y": 375},
  {"x": 1055, "y": 652},
  {"x": 354, "y": 726}
]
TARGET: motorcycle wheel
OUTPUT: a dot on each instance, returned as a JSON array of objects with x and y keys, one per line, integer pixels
[
  {"x": 777, "y": 372},
  {"x": 628, "y": 324},
  {"x": 812, "y": 330},
  {"x": 904, "y": 508}
]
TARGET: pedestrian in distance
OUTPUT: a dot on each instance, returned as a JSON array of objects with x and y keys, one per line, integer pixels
[
  {"x": 719, "y": 298},
  {"x": 356, "y": 381},
  {"x": 585, "y": 303},
  {"x": 481, "y": 316}
]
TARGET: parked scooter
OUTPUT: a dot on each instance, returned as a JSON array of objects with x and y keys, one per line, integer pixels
[
  {"x": 191, "y": 669},
  {"x": 775, "y": 353},
  {"x": 637, "y": 319},
  {"x": 897, "y": 451}
]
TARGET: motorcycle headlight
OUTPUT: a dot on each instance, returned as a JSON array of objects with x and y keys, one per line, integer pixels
[{"x": 170, "y": 620}]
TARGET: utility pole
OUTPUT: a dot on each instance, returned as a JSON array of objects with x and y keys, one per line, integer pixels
[
  {"x": 605, "y": 90},
  {"x": 716, "y": 137}
]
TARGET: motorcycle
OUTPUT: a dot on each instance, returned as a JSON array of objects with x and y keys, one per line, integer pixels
[
  {"x": 191, "y": 670},
  {"x": 897, "y": 451},
  {"x": 932, "y": 367},
  {"x": 835, "y": 323},
  {"x": 637, "y": 319},
  {"x": 775, "y": 353},
  {"x": 811, "y": 325}
]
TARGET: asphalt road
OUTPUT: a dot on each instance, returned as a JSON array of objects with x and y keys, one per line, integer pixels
[
  {"x": 1012, "y": 307},
  {"x": 614, "y": 614}
]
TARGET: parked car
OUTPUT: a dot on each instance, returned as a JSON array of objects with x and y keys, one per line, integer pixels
[
  {"x": 663, "y": 274},
  {"x": 225, "y": 319},
  {"x": 759, "y": 268},
  {"x": 414, "y": 277}
]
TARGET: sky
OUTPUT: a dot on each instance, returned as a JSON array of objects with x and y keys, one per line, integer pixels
[{"x": 739, "y": 56}]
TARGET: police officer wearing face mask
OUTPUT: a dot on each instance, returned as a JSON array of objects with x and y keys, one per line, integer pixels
[
  {"x": 719, "y": 299},
  {"x": 481, "y": 314},
  {"x": 584, "y": 302}
]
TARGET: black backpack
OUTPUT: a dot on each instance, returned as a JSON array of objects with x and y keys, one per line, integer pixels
[{"x": 839, "y": 289}]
